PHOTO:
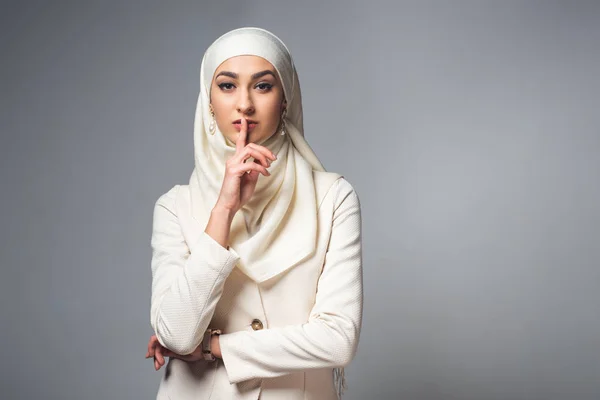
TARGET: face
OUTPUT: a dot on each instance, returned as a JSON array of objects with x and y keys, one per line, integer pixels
[{"x": 248, "y": 87}]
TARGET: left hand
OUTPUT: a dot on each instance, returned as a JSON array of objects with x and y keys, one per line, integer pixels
[{"x": 159, "y": 352}]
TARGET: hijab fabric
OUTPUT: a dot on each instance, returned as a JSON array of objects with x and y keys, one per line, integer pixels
[{"x": 277, "y": 228}]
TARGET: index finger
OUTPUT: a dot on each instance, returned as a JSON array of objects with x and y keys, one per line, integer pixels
[
  {"x": 151, "y": 344},
  {"x": 241, "y": 140}
]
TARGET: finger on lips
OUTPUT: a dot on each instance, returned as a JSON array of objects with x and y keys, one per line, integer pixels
[
  {"x": 246, "y": 150},
  {"x": 241, "y": 141}
]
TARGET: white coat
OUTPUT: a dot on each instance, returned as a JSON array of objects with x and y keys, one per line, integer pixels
[{"x": 281, "y": 338}]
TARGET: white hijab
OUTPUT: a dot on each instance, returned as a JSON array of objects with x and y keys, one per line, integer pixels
[{"x": 277, "y": 228}]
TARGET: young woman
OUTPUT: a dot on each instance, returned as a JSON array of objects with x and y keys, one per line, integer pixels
[{"x": 256, "y": 263}]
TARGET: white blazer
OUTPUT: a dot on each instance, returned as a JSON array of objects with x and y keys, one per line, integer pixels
[{"x": 281, "y": 338}]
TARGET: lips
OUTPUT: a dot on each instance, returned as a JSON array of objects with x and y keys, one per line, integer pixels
[{"x": 238, "y": 124}]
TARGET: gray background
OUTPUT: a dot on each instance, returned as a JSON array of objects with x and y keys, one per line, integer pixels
[{"x": 470, "y": 130}]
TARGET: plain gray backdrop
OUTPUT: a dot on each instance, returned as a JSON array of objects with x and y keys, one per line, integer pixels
[{"x": 470, "y": 130}]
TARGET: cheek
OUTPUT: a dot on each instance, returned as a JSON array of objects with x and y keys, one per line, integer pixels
[
  {"x": 218, "y": 101},
  {"x": 272, "y": 112},
  {"x": 222, "y": 107}
]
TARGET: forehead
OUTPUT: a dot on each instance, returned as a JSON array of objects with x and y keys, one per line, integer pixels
[{"x": 245, "y": 65}]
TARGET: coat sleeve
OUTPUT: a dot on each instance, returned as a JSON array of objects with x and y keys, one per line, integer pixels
[
  {"x": 187, "y": 281},
  {"x": 330, "y": 336}
]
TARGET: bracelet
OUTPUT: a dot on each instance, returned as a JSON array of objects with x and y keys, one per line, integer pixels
[{"x": 206, "y": 350}]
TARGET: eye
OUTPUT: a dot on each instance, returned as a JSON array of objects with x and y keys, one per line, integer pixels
[
  {"x": 264, "y": 86},
  {"x": 225, "y": 86}
]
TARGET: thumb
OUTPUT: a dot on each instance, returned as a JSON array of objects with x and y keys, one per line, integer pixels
[{"x": 252, "y": 175}]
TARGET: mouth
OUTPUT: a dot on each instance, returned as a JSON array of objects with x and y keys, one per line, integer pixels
[{"x": 251, "y": 124}]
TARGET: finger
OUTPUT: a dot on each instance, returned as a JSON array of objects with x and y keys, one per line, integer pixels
[
  {"x": 268, "y": 153},
  {"x": 148, "y": 355},
  {"x": 248, "y": 152},
  {"x": 151, "y": 344},
  {"x": 241, "y": 140},
  {"x": 156, "y": 364},
  {"x": 252, "y": 176},
  {"x": 248, "y": 167},
  {"x": 159, "y": 357}
]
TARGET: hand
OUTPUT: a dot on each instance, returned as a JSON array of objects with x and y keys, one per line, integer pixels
[
  {"x": 159, "y": 352},
  {"x": 155, "y": 349},
  {"x": 241, "y": 177}
]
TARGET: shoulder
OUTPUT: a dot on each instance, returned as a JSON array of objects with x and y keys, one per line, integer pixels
[
  {"x": 345, "y": 207},
  {"x": 344, "y": 193},
  {"x": 335, "y": 186},
  {"x": 167, "y": 200},
  {"x": 166, "y": 222}
]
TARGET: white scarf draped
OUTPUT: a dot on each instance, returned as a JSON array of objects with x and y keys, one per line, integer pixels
[{"x": 277, "y": 228}]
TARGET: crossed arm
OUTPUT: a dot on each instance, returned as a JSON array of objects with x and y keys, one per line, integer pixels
[{"x": 188, "y": 282}]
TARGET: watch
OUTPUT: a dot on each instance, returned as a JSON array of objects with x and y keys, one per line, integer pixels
[{"x": 206, "y": 350}]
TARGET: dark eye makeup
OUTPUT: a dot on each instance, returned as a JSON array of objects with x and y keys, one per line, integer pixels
[
  {"x": 262, "y": 86},
  {"x": 225, "y": 86}
]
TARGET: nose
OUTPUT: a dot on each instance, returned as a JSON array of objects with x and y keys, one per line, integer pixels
[{"x": 245, "y": 105}]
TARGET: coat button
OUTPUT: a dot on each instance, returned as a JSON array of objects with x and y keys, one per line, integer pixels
[{"x": 257, "y": 325}]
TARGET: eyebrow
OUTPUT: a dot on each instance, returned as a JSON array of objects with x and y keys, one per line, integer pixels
[{"x": 254, "y": 76}]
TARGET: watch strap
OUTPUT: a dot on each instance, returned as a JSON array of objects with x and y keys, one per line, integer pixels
[{"x": 206, "y": 344}]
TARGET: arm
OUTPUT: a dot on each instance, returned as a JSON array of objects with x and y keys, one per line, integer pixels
[
  {"x": 330, "y": 337},
  {"x": 187, "y": 281}
]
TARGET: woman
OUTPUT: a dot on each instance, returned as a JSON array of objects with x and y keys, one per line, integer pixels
[{"x": 256, "y": 263}]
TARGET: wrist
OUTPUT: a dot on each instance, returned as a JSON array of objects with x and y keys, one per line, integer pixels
[
  {"x": 219, "y": 225},
  {"x": 215, "y": 346},
  {"x": 210, "y": 345},
  {"x": 223, "y": 212}
]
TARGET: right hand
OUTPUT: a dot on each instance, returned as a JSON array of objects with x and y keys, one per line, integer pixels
[
  {"x": 241, "y": 176},
  {"x": 158, "y": 352}
]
